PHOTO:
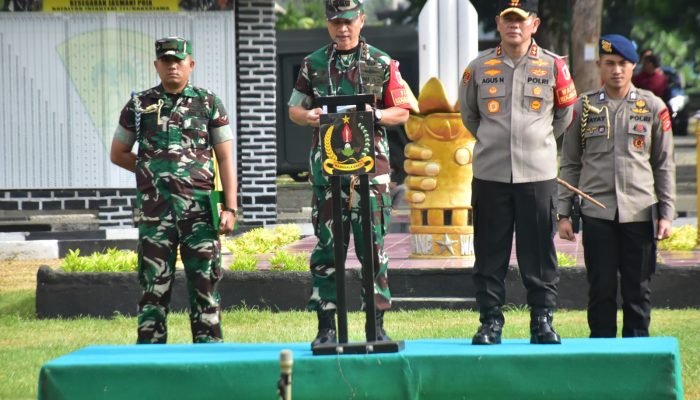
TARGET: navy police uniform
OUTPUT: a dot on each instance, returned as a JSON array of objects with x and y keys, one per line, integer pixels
[{"x": 619, "y": 151}]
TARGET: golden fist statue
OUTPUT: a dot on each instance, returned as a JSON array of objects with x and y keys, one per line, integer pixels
[{"x": 439, "y": 168}]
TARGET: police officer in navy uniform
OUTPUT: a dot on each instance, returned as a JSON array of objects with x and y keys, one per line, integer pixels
[
  {"x": 619, "y": 149},
  {"x": 516, "y": 99}
]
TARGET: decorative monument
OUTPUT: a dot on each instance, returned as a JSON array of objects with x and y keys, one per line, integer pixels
[{"x": 439, "y": 169}]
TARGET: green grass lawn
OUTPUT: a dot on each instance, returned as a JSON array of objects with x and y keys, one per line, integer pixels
[{"x": 26, "y": 343}]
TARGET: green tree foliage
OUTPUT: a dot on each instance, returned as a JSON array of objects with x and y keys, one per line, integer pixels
[{"x": 302, "y": 15}]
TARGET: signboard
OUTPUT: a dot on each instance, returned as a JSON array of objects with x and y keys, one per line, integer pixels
[{"x": 347, "y": 140}]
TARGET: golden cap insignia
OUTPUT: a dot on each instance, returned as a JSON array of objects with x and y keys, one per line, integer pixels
[{"x": 606, "y": 46}]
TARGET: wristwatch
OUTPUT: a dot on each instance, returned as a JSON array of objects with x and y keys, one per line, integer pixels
[
  {"x": 231, "y": 210},
  {"x": 377, "y": 115}
]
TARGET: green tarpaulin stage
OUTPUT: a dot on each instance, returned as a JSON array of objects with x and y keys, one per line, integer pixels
[{"x": 642, "y": 368}]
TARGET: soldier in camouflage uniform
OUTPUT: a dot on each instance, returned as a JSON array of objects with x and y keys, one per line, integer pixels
[
  {"x": 348, "y": 66},
  {"x": 177, "y": 126}
]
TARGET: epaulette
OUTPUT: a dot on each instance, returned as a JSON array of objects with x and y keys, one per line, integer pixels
[
  {"x": 486, "y": 52},
  {"x": 551, "y": 53}
]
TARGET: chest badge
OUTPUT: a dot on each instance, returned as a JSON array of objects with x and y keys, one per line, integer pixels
[
  {"x": 638, "y": 143},
  {"x": 537, "y": 91},
  {"x": 492, "y": 72},
  {"x": 493, "y": 106},
  {"x": 535, "y": 105},
  {"x": 640, "y": 107},
  {"x": 493, "y": 90}
]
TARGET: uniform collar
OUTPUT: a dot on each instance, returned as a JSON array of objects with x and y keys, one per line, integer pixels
[
  {"x": 533, "y": 52},
  {"x": 159, "y": 91},
  {"x": 632, "y": 95}
]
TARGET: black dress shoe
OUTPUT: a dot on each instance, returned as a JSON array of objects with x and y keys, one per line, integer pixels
[
  {"x": 325, "y": 336},
  {"x": 492, "y": 321},
  {"x": 489, "y": 333},
  {"x": 541, "y": 329}
]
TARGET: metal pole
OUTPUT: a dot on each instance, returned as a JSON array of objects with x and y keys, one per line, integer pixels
[
  {"x": 339, "y": 251},
  {"x": 368, "y": 264}
]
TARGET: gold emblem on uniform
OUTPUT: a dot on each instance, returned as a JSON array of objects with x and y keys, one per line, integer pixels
[
  {"x": 492, "y": 72},
  {"x": 638, "y": 142},
  {"x": 537, "y": 90},
  {"x": 534, "y": 50},
  {"x": 540, "y": 63},
  {"x": 467, "y": 75},
  {"x": 535, "y": 105},
  {"x": 493, "y": 61},
  {"x": 538, "y": 72},
  {"x": 606, "y": 46},
  {"x": 493, "y": 90},
  {"x": 493, "y": 106},
  {"x": 640, "y": 107}
]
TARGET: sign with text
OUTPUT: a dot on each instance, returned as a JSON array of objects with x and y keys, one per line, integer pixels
[{"x": 347, "y": 143}]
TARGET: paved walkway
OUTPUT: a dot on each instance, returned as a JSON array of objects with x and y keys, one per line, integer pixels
[{"x": 398, "y": 246}]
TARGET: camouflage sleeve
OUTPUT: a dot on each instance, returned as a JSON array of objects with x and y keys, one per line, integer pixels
[
  {"x": 126, "y": 129},
  {"x": 302, "y": 94},
  {"x": 219, "y": 124},
  {"x": 219, "y": 116}
]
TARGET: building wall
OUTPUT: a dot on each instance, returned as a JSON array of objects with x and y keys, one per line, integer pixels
[
  {"x": 250, "y": 100},
  {"x": 257, "y": 137}
]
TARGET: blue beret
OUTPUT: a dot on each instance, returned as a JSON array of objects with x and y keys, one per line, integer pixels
[{"x": 620, "y": 45}]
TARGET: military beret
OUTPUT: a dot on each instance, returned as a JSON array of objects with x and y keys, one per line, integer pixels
[
  {"x": 345, "y": 9},
  {"x": 620, "y": 45},
  {"x": 173, "y": 46}
]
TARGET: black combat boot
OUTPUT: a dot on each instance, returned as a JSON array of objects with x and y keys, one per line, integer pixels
[
  {"x": 381, "y": 333},
  {"x": 541, "y": 329},
  {"x": 326, "y": 328},
  {"x": 492, "y": 322}
]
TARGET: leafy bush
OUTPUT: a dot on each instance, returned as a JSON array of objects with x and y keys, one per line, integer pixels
[
  {"x": 244, "y": 262},
  {"x": 286, "y": 261},
  {"x": 111, "y": 261},
  {"x": 682, "y": 238},
  {"x": 565, "y": 260},
  {"x": 247, "y": 247}
]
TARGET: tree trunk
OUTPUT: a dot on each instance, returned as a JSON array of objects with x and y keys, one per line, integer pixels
[{"x": 585, "y": 33}]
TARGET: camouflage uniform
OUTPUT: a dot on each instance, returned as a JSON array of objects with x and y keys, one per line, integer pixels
[
  {"x": 174, "y": 176},
  {"x": 376, "y": 69}
]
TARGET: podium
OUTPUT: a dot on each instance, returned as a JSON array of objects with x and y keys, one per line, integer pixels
[{"x": 351, "y": 153}]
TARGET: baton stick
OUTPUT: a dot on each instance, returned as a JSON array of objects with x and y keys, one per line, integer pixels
[{"x": 580, "y": 193}]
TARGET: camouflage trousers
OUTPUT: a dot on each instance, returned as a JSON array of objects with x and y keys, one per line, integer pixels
[
  {"x": 200, "y": 251},
  {"x": 322, "y": 262}
]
